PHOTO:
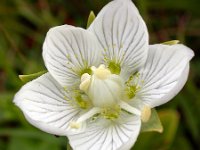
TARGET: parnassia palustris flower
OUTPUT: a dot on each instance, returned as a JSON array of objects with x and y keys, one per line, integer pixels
[{"x": 103, "y": 82}]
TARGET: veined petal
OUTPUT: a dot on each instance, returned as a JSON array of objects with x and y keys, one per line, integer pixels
[
  {"x": 164, "y": 73},
  {"x": 122, "y": 33},
  {"x": 103, "y": 134},
  {"x": 69, "y": 52},
  {"x": 46, "y": 105}
]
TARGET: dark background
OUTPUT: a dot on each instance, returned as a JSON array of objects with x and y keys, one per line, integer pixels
[{"x": 23, "y": 26}]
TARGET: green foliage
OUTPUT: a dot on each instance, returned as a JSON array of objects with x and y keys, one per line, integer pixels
[
  {"x": 23, "y": 27},
  {"x": 90, "y": 18},
  {"x": 27, "y": 78},
  {"x": 171, "y": 42},
  {"x": 31, "y": 140}
]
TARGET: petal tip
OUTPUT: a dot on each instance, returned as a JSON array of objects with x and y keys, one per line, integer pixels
[{"x": 187, "y": 50}]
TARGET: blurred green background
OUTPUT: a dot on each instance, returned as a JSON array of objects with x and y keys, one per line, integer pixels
[{"x": 23, "y": 26}]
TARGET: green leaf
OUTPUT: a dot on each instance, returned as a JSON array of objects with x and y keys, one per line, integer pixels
[
  {"x": 173, "y": 42},
  {"x": 153, "y": 124},
  {"x": 27, "y": 78},
  {"x": 90, "y": 18}
]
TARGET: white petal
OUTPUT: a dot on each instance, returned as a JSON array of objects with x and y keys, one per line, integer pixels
[
  {"x": 104, "y": 134},
  {"x": 46, "y": 105},
  {"x": 122, "y": 33},
  {"x": 164, "y": 73},
  {"x": 67, "y": 51}
]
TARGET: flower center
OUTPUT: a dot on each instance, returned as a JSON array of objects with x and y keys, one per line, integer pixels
[
  {"x": 106, "y": 93},
  {"x": 103, "y": 88}
]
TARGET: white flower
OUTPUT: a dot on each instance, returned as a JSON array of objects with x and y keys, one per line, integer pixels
[{"x": 103, "y": 81}]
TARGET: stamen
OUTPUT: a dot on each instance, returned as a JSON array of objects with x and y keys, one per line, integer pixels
[
  {"x": 102, "y": 66},
  {"x": 89, "y": 114},
  {"x": 146, "y": 113},
  {"x": 75, "y": 125},
  {"x": 85, "y": 76},
  {"x": 84, "y": 117},
  {"x": 85, "y": 82},
  {"x": 129, "y": 108},
  {"x": 102, "y": 72},
  {"x": 93, "y": 68}
]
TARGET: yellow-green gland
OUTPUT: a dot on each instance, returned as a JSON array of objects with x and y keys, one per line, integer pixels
[
  {"x": 114, "y": 67},
  {"x": 131, "y": 91}
]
